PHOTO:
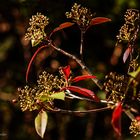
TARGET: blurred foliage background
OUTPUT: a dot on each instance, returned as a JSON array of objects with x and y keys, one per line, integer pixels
[{"x": 99, "y": 56}]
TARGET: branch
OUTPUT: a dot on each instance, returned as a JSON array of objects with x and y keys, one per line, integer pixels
[
  {"x": 129, "y": 114},
  {"x": 72, "y": 96},
  {"x": 82, "y": 42},
  {"x": 81, "y": 64},
  {"x": 54, "y": 110},
  {"x": 81, "y": 111}
]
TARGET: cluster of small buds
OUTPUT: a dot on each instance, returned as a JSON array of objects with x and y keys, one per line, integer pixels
[
  {"x": 27, "y": 98},
  {"x": 50, "y": 83},
  {"x": 47, "y": 85},
  {"x": 81, "y": 15},
  {"x": 115, "y": 86},
  {"x": 132, "y": 16},
  {"x": 128, "y": 30},
  {"x": 37, "y": 25},
  {"x": 135, "y": 127},
  {"x": 133, "y": 65},
  {"x": 124, "y": 33}
]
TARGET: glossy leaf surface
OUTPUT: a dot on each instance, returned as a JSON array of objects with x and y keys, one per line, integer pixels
[
  {"x": 83, "y": 91},
  {"x": 83, "y": 77},
  {"x": 66, "y": 70},
  {"x": 41, "y": 123},
  {"x": 126, "y": 54},
  {"x": 116, "y": 119},
  {"x": 62, "y": 26},
  {"x": 99, "y": 20}
]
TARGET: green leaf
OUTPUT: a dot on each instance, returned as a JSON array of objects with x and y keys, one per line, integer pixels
[
  {"x": 135, "y": 73},
  {"x": 43, "y": 98},
  {"x": 58, "y": 95},
  {"x": 35, "y": 42},
  {"x": 41, "y": 123}
]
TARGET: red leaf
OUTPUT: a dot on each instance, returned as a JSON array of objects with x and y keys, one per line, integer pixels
[
  {"x": 116, "y": 119},
  {"x": 66, "y": 71},
  {"x": 138, "y": 118},
  {"x": 83, "y": 77},
  {"x": 83, "y": 91},
  {"x": 99, "y": 20},
  {"x": 62, "y": 26},
  {"x": 65, "y": 25},
  {"x": 31, "y": 61},
  {"x": 126, "y": 54}
]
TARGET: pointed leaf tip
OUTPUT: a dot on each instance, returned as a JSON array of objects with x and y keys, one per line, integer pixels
[
  {"x": 126, "y": 54},
  {"x": 61, "y": 26},
  {"x": 116, "y": 119},
  {"x": 66, "y": 71},
  {"x": 41, "y": 123},
  {"x": 84, "y": 91},
  {"x": 65, "y": 25},
  {"x": 135, "y": 73},
  {"x": 99, "y": 20},
  {"x": 82, "y": 77}
]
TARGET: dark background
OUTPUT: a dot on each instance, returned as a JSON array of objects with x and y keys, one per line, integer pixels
[{"x": 15, "y": 53}]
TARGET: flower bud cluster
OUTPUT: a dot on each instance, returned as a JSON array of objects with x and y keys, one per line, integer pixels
[
  {"x": 115, "y": 86},
  {"x": 135, "y": 127},
  {"x": 47, "y": 85},
  {"x": 37, "y": 25},
  {"x": 128, "y": 30},
  {"x": 81, "y": 15}
]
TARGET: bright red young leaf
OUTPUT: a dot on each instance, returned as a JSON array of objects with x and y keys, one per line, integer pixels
[
  {"x": 116, "y": 119},
  {"x": 83, "y": 91},
  {"x": 83, "y": 77},
  {"x": 126, "y": 54},
  {"x": 62, "y": 26},
  {"x": 138, "y": 118},
  {"x": 31, "y": 61},
  {"x": 66, "y": 71},
  {"x": 99, "y": 20}
]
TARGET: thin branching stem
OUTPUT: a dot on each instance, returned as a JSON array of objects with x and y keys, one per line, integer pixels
[
  {"x": 81, "y": 64},
  {"x": 82, "y": 43},
  {"x": 129, "y": 114},
  {"x": 54, "y": 110},
  {"x": 72, "y": 96},
  {"x": 81, "y": 111}
]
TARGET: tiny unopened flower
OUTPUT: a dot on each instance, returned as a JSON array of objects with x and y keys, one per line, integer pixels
[
  {"x": 130, "y": 27},
  {"x": 47, "y": 84},
  {"x": 132, "y": 16},
  {"x": 135, "y": 127},
  {"x": 81, "y": 15},
  {"x": 36, "y": 31},
  {"x": 125, "y": 33},
  {"x": 133, "y": 65},
  {"x": 115, "y": 86},
  {"x": 27, "y": 98},
  {"x": 51, "y": 83}
]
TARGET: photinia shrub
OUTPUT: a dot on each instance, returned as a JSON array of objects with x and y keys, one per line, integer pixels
[{"x": 121, "y": 90}]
